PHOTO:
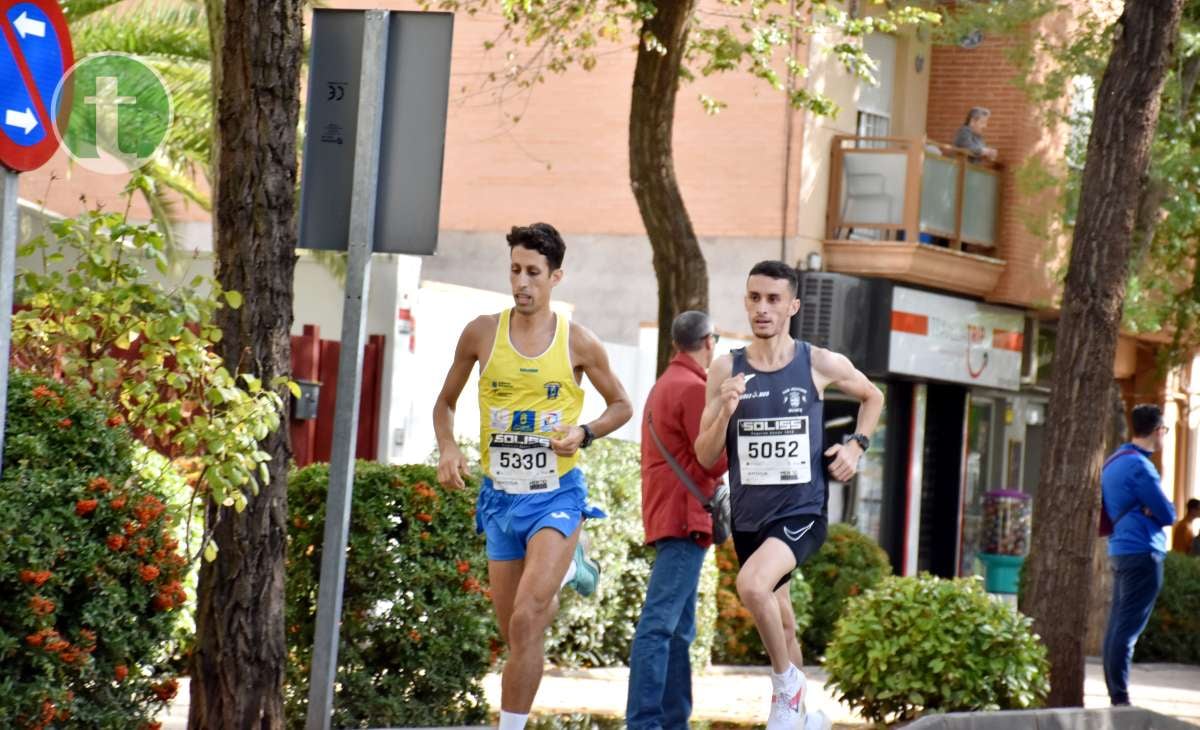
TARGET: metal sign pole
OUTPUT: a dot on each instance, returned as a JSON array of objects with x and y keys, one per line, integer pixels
[
  {"x": 341, "y": 467},
  {"x": 9, "y": 222}
]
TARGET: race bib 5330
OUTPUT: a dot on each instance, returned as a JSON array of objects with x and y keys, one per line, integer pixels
[{"x": 522, "y": 463}]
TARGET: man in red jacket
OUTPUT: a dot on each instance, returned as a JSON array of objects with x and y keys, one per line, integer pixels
[{"x": 679, "y": 528}]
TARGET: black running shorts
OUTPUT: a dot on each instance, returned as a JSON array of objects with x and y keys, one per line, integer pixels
[{"x": 804, "y": 534}]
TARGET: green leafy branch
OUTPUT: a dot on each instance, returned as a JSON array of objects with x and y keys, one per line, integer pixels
[{"x": 92, "y": 318}]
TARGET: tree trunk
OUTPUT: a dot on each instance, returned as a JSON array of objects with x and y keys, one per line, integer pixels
[
  {"x": 678, "y": 262},
  {"x": 1066, "y": 510},
  {"x": 1098, "y": 607},
  {"x": 238, "y": 667}
]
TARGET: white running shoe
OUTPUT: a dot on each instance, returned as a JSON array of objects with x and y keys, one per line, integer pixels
[
  {"x": 787, "y": 706},
  {"x": 818, "y": 721}
]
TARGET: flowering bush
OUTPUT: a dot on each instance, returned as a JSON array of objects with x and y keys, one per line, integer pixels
[
  {"x": 90, "y": 570},
  {"x": 92, "y": 317},
  {"x": 417, "y": 632}
]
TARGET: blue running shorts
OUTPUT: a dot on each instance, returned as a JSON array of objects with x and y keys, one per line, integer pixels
[{"x": 511, "y": 520}]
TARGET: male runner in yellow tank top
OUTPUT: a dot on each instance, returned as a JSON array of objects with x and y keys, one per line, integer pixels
[{"x": 533, "y": 499}]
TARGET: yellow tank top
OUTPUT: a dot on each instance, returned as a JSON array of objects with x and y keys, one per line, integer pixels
[{"x": 523, "y": 400}]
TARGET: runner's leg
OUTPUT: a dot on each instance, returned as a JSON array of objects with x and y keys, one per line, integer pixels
[
  {"x": 503, "y": 578},
  {"x": 756, "y": 588},
  {"x": 783, "y": 596},
  {"x": 534, "y": 606}
]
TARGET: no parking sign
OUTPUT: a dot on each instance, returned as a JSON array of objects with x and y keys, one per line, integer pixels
[{"x": 35, "y": 52}]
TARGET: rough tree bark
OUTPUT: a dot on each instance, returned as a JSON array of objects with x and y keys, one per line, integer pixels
[
  {"x": 678, "y": 262},
  {"x": 238, "y": 666},
  {"x": 1066, "y": 509}
]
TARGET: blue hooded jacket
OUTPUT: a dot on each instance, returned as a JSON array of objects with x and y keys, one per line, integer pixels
[{"x": 1130, "y": 483}]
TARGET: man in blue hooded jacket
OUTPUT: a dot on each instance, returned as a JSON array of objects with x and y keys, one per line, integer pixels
[{"x": 1134, "y": 501}]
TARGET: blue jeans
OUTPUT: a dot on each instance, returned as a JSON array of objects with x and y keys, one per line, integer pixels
[
  {"x": 1137, "y": 579},
  {"x": 660, "y": 673}
]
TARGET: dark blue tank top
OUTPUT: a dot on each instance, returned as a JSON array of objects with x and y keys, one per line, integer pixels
[{"x": 775, "y": 443}]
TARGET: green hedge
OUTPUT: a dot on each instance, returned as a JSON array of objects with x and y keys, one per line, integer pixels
[
  {"x": 417, "y": 632},
  {"x": 91, "y": 569},
  {"x": 598, "y": 631},
  {"x": 1173, "y": 632},
  {"x": 922, "y": 644}
]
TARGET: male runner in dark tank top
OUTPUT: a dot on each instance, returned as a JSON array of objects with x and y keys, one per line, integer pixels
[{"x": 764, "y": 407}]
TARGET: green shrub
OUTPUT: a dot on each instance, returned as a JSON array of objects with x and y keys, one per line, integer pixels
[
  {"x": 90, "y": 569},
  {"x": 94, "y": 315},
  {"x": 737, "y": 640},
  {"x": 919, "y": 644},
  {"x": 848, "y": 564},
  {"x": 417, "y": 632},
  {"x": 1173, "y": 633},
  {"x": 598, "y": 631}
]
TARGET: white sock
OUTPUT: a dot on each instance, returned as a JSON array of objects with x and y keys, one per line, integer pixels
[
  {"x": 789, "y": 677},
  {"x": 570, "y": 575},
  {"x": 512, "y": 721}
]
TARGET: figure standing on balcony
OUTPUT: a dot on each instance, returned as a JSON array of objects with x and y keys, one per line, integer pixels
[{"x": 970, "y": 135}]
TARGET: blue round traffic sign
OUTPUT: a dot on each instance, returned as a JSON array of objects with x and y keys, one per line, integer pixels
[{"x": 35, "y": 52}]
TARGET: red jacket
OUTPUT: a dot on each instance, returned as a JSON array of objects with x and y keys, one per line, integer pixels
[{"x": 668, "y": 507}]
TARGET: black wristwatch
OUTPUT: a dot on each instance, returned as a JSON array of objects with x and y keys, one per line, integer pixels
[
  {"x": 863, "y": 442},
  {"x": 588, "y": 436}
]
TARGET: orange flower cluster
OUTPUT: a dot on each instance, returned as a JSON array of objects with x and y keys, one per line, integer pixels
[
  {"x": 35, "y": 577},
  {"x": 65, "y": 423},
  {"x": 118, "y": 502},
  {"x": 52, "y": 642},
  {"x": 421, "y": 489},
  {"x": 42, "y": 391},
  {"x": 425, "y": 517},
  {"x": 99, "y": 484},
  {"x": 166, "y": 690},
  {"x": 148, "y": 509},
  {"x": 121, "y": 672},
  {"x": 116, "y": 420},
  {"x": 170, "y": 596},
  {"x": 40, "y": 637},
  {"x": 415, "y": 636},
  {"x": 464, "y": 567},
  {"x": 148, "y": 572},
  {"x": 116, "y": 542},
  {"x": 151, "y": 726},
  {"x": 141, "y": 546},
  {"x": 40, "y": 606},
  {"x": 470, "y": 585},
  {"x": 85, "y": 507},
  {"x": 424, "y": 535}
]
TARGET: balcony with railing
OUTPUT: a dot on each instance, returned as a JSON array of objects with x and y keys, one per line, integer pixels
[{"x": 913, "y": 210}]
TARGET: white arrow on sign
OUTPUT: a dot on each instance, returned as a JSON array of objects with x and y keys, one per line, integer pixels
[
  {"x": 27, "y": 26},
  {"x": 25, "y": 120}
]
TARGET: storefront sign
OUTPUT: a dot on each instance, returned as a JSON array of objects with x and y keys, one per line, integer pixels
[{"x": 947, "y": 338}]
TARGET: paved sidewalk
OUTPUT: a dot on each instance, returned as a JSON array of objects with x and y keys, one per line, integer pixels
[{"x": 739, "y": 694}]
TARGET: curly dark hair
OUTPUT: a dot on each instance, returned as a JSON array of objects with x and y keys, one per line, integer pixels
[{"x": 541, "y": 237}]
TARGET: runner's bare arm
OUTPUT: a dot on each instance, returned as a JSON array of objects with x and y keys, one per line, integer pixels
[
  {"x": 832, "y": 369},
  {"x": 587, "y": 353},
  {"x": 723, "y": 393},
  {"x": 452, "y": 465}
]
